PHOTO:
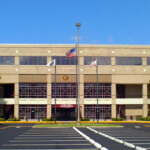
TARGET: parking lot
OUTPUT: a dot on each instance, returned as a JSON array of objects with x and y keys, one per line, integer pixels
[
  {"x": 26, "y": 137},
  {"x": 137, "y": 134},
  {"x": 35, "y": 138}
]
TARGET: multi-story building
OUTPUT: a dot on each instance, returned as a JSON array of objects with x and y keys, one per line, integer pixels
[{"x": 27, "y": 86}]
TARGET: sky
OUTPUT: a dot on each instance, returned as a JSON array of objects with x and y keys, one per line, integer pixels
[{"x": 125, "y": 22}]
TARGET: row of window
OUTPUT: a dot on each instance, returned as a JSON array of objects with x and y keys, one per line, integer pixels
[
  {"x": 63, "y": 90},
  {"x": 62, "y": 60}
]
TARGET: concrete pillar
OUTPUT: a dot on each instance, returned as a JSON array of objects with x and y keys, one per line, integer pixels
[
  {"x": 49, "y": 111},
  {"x": 144, "y": 61},
  {"x": 81, "y": 94},
  {"x": 145, "y": 100},
  {"x": 16, "y": 105},
  {"x": 16, "y": 60},
  {"x": 49, "y": 100},
  {"x": 113, "y": 108},
  {"x": 113, "y": 61}
]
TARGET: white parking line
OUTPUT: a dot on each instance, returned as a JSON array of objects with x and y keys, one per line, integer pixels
[
  {"x": 138, "y": 140},
  {"x": 45, "y": 141},
  {"x": 41, "y": 144},
  {"x": 48, "y": 137},
  {"x": 130, "y": 137}
]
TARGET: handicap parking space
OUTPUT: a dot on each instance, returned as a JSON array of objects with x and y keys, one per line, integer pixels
[
  {"x": 48, "y": 138},
  {"x": 136, "y": 135}
]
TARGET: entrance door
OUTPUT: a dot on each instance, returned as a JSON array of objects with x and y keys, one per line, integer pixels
[
  {"x": 65, "y": 114},
  {"x": 32, "y": 113}
]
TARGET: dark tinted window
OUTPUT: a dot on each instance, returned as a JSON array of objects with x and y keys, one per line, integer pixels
[
  {"x": 100, "y": 60},
  {"x": 148, "y": 60},
  {"x": 32, "y": 60},
  {"x": 6, "y": 60},
  {"x": 129, "y": 61},
  {"x": 62, "y": 60}
]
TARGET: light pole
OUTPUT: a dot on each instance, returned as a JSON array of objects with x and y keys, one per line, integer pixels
[{"x": 77, "y": 76}]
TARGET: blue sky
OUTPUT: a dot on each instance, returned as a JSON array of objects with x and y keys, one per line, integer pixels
[{"x": 53, "y": 21}]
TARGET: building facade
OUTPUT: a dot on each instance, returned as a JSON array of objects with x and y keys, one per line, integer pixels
[{"x": 27, "y": 86}]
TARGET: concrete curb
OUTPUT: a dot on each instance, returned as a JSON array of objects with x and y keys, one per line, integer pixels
[{"x": 43, "y": 122}]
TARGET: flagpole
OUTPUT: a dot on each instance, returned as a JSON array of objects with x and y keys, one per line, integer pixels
[
  {"x": 77, "y": 53},
  {"x": 55, "y": 89},
  {"x": 76, "y": 86},
  {"x": 97, "y": 87}
]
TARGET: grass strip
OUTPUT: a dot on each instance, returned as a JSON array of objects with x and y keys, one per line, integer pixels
[{"x": 75, "y": 125}]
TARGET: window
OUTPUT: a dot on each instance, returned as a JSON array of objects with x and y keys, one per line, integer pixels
[
  {"x": 100, "y": 60},
  {"x": 104, "y": 111},
  {"x": 62, "y": 60},
  {"x": 32, "y": 90},
  {"x": 148, "y": 60},
  {"x": 6, "y": 60},
  {"x": 137, "y": 61},
  {"x": 90, "y": 90},
  {"x": 32, "y": 60},
  {"x": 64, "y": 90}
]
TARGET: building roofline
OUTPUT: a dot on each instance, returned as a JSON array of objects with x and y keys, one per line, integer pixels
[{"x": 73, "y": 45}]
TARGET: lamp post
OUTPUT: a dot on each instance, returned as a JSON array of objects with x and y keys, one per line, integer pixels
[{"x": 77, "y": 76}]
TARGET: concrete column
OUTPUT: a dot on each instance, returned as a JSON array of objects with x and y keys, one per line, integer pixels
[
  {"x": 82, "y": 111},
  {"x": 16, "y": 106},
  {"x": 17, "y": 60},
  {"x": 81, "y": 94},
  {"x": 145, "y": 100},
  {"x": 113, "y": 92},
  {"x": 49, "y": 100},
  {"x": 49, "y": 111},
  {"x": 113, "y": 61},
  {"x": 144, "y": 61}
]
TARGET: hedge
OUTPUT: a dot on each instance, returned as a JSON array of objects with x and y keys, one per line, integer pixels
[
  {"x": 2, "y": 119},
  {"x": 85, "y": 119},
  {"x": 13, "y": 119},
  {"x": 143, "y": 118},
  {"x": 48, "y": 119},
  {"x": 117, "y": 119}
]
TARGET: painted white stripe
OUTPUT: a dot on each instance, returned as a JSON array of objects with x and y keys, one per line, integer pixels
[
  {"x": 43, "y": 140},
  {"x": 47, "y": 135},
  {"x": 140, "y": 148},
  {"x": 50, "y": 133},
  {"x": 137, "y": 127},
  {"x": 141, "y": 143},
  {"x": 138, "y": 140},
  {"x": 132, "y": 137},
  {"x": 41, "y": 144},
  {"x": 129, "y": 144}
]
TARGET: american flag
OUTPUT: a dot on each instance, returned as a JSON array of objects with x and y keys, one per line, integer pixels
[{"x": 71, "y": 53}]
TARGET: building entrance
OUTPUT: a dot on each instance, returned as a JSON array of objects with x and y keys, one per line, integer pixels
[{"x": 65, "y": 114}]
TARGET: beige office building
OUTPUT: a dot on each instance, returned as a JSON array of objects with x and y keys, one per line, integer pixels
[{"x": 27, "y": 85}]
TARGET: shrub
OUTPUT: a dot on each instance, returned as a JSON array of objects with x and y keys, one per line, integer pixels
[
  {"x": 85, "y": 119},
  {"x": 2, "y": 119},
  {"x": 17, "y": 119},
  {"x": 117, "y": 119},
  {"x": 46, "y": 119},
  {"x": 13, "y": 119},
  {"x": 52, "y": 119},
  {"x": 143, "y": 118}
]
